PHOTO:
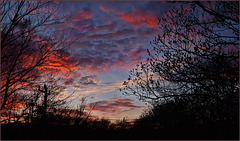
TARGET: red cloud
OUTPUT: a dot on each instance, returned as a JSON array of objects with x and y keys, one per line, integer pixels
[
  {"x": 82, "y": 15},
  {"x": 136, "y": 18},
  {"x": 125, "y": 100},
  {"x": 104, "y": 9},
  {"x": 59, "y": 61}
]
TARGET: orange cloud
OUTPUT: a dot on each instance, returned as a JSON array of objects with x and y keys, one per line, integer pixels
[{"x": 58, "y": 61}]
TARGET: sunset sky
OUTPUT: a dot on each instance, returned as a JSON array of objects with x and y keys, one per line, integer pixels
[{"x": 112, "y": 37}]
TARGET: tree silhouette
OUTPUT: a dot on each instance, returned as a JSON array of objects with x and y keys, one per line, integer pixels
[
  {"x": 28, "y": 42},
  {"x": 194, "y": 65},
  {"x": 196, "y": 53}
]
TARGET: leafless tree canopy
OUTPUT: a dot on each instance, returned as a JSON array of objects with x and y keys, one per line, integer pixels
[
  {"x": 196, "y": 53},
  {"x": 191, "y": 77},
  {"x": 29, "y": 44}
]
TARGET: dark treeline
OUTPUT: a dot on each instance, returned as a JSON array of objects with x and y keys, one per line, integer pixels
[
  {"x": 59, "y": 128},
  {"x": 103, "y": 129}
]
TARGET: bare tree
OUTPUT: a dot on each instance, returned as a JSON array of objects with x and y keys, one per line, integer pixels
[
  {"x": 29, "y": 46},
  {"x": 196, "y": 53},
  {"x": 193, "y": 69}
]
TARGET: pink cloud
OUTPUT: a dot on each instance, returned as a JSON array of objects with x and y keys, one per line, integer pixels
[
  {"x": 115, "y": 105},
  {"x": 81, "y": 20},
  {"x": 124, "y": 100},
  {"x": 82, "y": 15},
  {"x": 130, "y": 59},
  {"x": 101, "y": 7},
  {"x": 136, "y": 18}
]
